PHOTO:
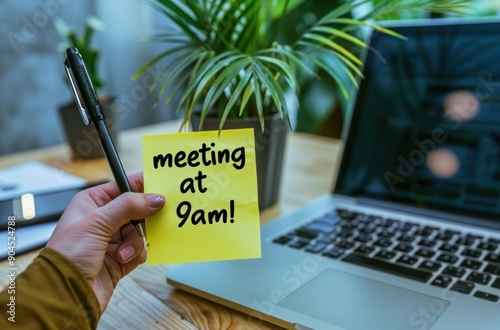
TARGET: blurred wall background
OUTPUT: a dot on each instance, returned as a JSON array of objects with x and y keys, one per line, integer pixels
[{"x": 32, "y": 81}]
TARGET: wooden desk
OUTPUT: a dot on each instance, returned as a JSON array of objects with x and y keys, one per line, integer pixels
[{"x": 143, "y": 300}]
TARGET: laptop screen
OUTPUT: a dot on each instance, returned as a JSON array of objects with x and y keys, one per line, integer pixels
[{"x": 425, "y": 126}]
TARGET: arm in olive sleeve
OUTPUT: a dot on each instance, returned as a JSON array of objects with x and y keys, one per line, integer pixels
[{"x": 51, "y": 293}]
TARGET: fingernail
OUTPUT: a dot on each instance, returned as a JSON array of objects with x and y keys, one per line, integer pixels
[
  {"x": 127, "y": 253},
  {"x": 156, "y": 200}
]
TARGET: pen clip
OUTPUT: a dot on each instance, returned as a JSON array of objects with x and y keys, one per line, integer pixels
[{"x": 76, "y": 94}]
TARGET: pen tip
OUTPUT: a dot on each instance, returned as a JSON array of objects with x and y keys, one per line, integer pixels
[{"x": 140, "y": 230}]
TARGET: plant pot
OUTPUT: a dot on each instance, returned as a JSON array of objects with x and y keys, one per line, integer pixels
[
  {"x": 269, "y": 150},
  {"x": 83, "y": 139}
]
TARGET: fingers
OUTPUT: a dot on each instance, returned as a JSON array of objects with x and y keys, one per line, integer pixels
[
  {"x": 132, "y": 249},
  {"x": 126, "y": 207},
  {"x": 136, "y": 181},
  {"x": 104, "y": 193}
]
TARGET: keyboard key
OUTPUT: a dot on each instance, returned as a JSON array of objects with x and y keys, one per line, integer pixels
[
  {"x": 283, "y": 239},
  {"x": 305, "y": 233},
  {"x": 448, "y": 258},
  {"x": 410, "y": 273},
  {"x": 474, "y": 236},
  {"x": 426, "y": 253},
  {"x": 344, "y": 234},
  {"x": 407, "y": 226},
  {"x": 472, "y": 264},
  {"x": 426, "y": 231},
  {"x": 444, "y": 236},
  {"x": 427, "y": 242},
  {"x": 334, "y": 253},
  {"x": 363, "y": 219},
  {"x": 346, "y": 245},
  {"x": 375, "y": 219},
  {"x": 449, "y": 247},
  {"x": 365, "y": 249},
  {"x": 347, "y": 215},
  {"x": 467, "y": 241},
  {"x": 315, "y": 248},
  {"x": 479, "y": 278},
  {"x": 492, "y": 269},
  {"x": 494, "y": 240},
  {"x": 429, "y": 265},
  {"x": 386, "y": 233},
  {"x": 496, "y": 283},
  {"x": 298, "y": 244},
  {"x": 382, "y": 242},
  {"x": 454, "y": 271},
  {"x": 463, "y": 287},
  {"x": 384, "y": 254},
  {"x": 452, "y": 232},
  {"x": 403, "y": 247},
  {"x": 442, "y": 281},
  {"x": 407, "y": 260},
  {"x": 472, "y": 253},
  {"x": 368, "y": 229},
  {"x": 406, "y": 238},
  {"x": 387, "y": 223},
  {"x": 486, "y": 295},
  {"x": 493, "y": 257},
  {"x": 362, "y": 238},
  {"x": 349, "y": 226},
  {"x": 487, "y": 246},
  {"x": 326, "y": 240}
]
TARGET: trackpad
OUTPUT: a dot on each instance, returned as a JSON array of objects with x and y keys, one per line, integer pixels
[{"x": 354, "y": 302}]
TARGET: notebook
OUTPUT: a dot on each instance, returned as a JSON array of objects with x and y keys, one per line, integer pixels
[{"x": 409, "y": 237}]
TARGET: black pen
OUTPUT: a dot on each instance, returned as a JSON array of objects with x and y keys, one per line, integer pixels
[{"x": 81, "y": 86}]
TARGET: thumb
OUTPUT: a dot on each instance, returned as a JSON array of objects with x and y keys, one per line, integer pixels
[{"x": 127, "y": 207}]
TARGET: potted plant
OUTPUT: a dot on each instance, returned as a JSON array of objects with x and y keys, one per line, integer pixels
[
  {"x": 83, "y": 139},
  {"x": 230, "y": 64}
]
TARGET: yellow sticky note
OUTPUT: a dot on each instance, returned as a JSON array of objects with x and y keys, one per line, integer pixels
[{"x": 210, "y": 184}]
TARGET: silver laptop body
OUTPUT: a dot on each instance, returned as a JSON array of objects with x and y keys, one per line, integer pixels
[{"x": 409, "y": 238}]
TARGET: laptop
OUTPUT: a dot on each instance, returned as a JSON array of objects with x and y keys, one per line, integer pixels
[{"x": 409, "y": 237}]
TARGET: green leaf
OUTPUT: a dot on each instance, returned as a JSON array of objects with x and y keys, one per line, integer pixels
[
  {"x": 325, "y": 41},
  {"x": 246, "y": 96},
  {"x": 289, "y": 56},
  {"x": 211, "y": 68},
  {"x": 273, "y": 88},
  {"x": 353, "y": 22},
  {"x": 181, "y": 16},
  {"x": 175, "y": 69},
  {"x": 336, "y": 77},
  {"x": 281, "y": 67},
  {"x": 220, "y": 84},
  {"x": 236, "y": 94},
  {"x": 258, "y": 100},
  {"x": 341, "y": 34}
]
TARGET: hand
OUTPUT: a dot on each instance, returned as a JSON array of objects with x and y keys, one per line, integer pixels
[{"x": 95, "y": 233}]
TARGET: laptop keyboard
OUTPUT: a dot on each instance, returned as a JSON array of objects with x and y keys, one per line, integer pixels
[{"x": 465, "y": 263}]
